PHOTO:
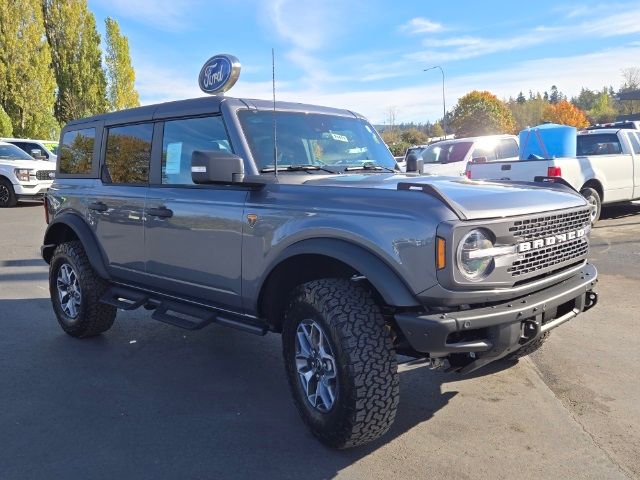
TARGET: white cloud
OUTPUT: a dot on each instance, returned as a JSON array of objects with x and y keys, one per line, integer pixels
[
  {"x": 422, "y": 102},
  {"x": 422, "y": 25},
  {"x": 168, "y": 15}
]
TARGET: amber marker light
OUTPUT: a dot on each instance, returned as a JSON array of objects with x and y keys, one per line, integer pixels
[{"x": 441, "y": 248}]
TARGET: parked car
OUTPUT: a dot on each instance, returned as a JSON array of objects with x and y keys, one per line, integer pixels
[
  {"x": 38, "y": 149},
  {"x": 606, "y": 169},
  {"x": 21, "y": 176},
  {"x": 194, "y": 210}
]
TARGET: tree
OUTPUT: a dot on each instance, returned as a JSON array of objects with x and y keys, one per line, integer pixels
[
  {"x": 121, "y": 77},
  {"x": 76, "y": 58},
  {"x": 6, "y": 129},
  {"x": 555, "y": 96},
  {"x": 603, "y": 109},
  {"x": 437, "y": 130},
  {"x": 565, "y": 113},
  {"x": 481, "y": 113},
  {"x": 631, "y": 78},
  {"x": 527, "y": 114},
  {"x": 27, "y": 86},
  {"x": 585, "y": 100},
  {"x": 521, "y": 98},
  {"x": 413, "y": 136},
  {"x": 393, "y": 138}
]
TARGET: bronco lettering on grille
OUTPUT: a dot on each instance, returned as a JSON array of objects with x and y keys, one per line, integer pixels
[{"x": 553, "y": 240}]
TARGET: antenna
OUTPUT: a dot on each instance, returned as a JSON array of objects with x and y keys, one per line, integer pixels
[{"x": 275, "y": 131}]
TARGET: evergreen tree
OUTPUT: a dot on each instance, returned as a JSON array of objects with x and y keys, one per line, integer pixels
[
  {"x": 77, "y": 63},
  {"x": 521, "y": 98},
  {"x": 27, "y": 86},
  {"x": 120, "y": 74}
]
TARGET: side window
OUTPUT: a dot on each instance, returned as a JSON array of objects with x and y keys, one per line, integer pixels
[
  {"x": 76, "y": 152},
  {"x": 635, "y": 142},
  {"x": 598, "y": 144},
  {"x": 489, "y": 153},
  {"x": 508, "y": 148},
  {"x": 128, "y": 154},
  {"x": 182, "y": 137}
]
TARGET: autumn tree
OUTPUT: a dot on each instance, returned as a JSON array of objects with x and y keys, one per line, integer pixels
[
  {"x": 437, "y": 130},
  {"x": 528, "y": 113},
  {"x": 27, "y": 85},
  {"x": 565, "y": 113},
  {"x": 481, "y": 113},
  {"x": 76, "y": 59},
  {"x": 413, "y": 136},
  {"x": 121, "y": 92}
]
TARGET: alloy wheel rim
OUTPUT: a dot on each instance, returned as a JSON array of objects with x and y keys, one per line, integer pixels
[
  {"x": 4, "y": 194},
  {"x": 594, "y": 209},
  {"x": 69, "y": 292},
  {"x": 316, "y": 366}
]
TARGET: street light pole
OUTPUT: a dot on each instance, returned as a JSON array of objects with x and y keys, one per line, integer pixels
[{"x": 444, "y": 107}]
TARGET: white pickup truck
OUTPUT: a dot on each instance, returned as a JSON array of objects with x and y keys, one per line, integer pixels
[
  {"x": 605, "y": 170},
  {"x": 21, "y": 176}
]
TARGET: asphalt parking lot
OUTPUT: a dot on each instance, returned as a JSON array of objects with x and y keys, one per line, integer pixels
[{"x": 147, "y": 400}]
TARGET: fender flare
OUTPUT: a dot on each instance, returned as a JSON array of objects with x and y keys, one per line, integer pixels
[
  {"x": 84, "y": 234},
  {"x": 383, "y": 277}
]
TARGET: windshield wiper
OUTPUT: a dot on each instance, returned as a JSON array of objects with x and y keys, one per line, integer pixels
[
  {"x": 369, "y": 166},
  {"x": 296, "y": 168}
]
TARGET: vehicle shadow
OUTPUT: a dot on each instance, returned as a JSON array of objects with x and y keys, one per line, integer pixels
[
  {"x": 622, "y": 210},
  {"x": 146, "y": 400}
]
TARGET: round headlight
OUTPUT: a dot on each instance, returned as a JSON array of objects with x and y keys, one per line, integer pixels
[{"x": 472, "y": 262}]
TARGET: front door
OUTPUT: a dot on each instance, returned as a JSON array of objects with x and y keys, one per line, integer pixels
[{"x": 193, "y": 233}]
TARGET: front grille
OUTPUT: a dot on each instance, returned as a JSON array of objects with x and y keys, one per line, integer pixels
[
  {"x": 45, "y": 174},
  {"x": 546, "y": 226},
  {"x": 544, "y": 259}
]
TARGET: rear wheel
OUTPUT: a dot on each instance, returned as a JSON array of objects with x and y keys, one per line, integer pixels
[
  {"x": 593, "y": 197},
  {"x": 7, "y": 194},
  {"x": 340, "y": 362},
  {"x": 76, "y": 290}
]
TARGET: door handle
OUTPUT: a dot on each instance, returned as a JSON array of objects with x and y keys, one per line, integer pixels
[
  {"x": 98, "y": 206},
  {"x": 161, "y": 212}
]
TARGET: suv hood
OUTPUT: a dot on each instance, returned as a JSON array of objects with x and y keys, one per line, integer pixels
[{"x": 475, "y": 199}]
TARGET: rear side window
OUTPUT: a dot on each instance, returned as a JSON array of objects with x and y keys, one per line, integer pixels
[
  {"x": 128, "y": 154},
  {"x": 182, "y": 138},
  {"x": 76, "y": 152},
  {"x": 507, "y": 148},
  {"x": 487, "y": 152},
  {"x": 598, "y": 144}
]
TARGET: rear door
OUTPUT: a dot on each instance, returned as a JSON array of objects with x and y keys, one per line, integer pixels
[
  {"x": 193, "y": 233},
  {"x": 117, "y": 207}
]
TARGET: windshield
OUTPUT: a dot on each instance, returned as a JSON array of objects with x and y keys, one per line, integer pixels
[
  {"x": 314, "y": 139},
  {"x": 52, "y": 147},
  {"x": 11, "y": 152},
  {"x": 446, "y": 152}
]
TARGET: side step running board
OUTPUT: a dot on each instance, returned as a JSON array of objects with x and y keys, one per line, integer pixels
[{"x": 180, "y": 314}]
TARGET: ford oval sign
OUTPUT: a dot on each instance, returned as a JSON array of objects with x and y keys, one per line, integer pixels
[{"x": 219, "y": 74}]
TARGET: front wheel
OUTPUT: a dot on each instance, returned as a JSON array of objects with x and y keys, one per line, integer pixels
[
  {"x": 593, "y": 197},
  {"x": 340, "y": 362},
  {"x": 7, "y": 194}
]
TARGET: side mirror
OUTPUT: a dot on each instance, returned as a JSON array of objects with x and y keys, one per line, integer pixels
[
  {"x": 214, "y": 166},
  {"x": 37, "y": 153},
  {"x": 414, "y": 164}
]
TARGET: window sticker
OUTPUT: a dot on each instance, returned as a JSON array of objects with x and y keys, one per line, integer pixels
[
  {"x": 174, "y": 153},
  {"x": 338, "y": 137}
]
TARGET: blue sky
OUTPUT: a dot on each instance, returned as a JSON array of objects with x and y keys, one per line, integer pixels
[{"x": 369, "y": 56}]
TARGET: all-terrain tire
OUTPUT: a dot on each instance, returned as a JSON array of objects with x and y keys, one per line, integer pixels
[
  {"x": 367, "y": 372},
  {"x": 7, "y": 194},
  {"x": 593, "y": 197},
  {"x": 92, "y": 317},
  {"x": 530, "y": 347}
]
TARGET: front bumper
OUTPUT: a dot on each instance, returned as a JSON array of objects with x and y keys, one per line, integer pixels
[
  {"x": 490, "y": 333},
  {"x": 32, "y": 189}
]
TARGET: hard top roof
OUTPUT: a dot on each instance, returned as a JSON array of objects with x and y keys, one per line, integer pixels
[{"x": 202, "y": 106}]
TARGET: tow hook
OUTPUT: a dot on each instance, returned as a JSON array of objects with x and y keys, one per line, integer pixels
[
  {"x": 529, "y": 330},
  {"x": 435, "y": 363},
  {"x": 590, "y": 301}
]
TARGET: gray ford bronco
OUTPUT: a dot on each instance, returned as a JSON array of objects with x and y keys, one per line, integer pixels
[{"x": 291, "y": 218}]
